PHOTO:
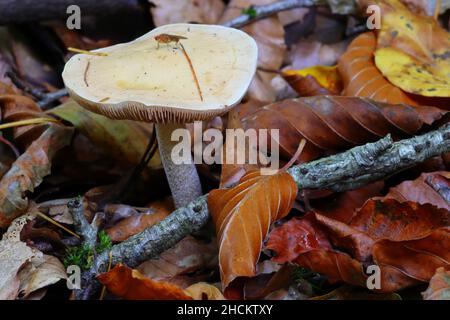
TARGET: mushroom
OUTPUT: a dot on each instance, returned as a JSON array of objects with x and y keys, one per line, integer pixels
[{"x": 173, "y": 75}]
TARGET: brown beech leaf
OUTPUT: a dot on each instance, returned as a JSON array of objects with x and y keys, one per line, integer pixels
[
  {"x": 175, "y": 11},
  {"x": 130, "y": 284},
  {"x": 242, "y": 216},
  {"x": 342, "y": 206},
  {"x": 361, "y": 77},
  {"x": 430, "y": 188},
  {"x": 332, "y": 123},
  {"x": 28, "y": 171},
  {"x": 439, "y": 287}
]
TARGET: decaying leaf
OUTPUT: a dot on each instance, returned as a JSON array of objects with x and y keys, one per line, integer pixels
[
  {"x": 28, "y": 171},
  {"x": 124, "y": 140},
  {"x": 439, "y": 287},
  {"x": 24, "y": 269},
  {"x": 430, "y": 188},
  {"x": 175, "y": 11},
  {"x": 140, "y": 220},
  {"x": 242, "y": 216},
  {"x": 413, "y": 51},
  {"x": 187, "y": 256},
  {"x": 130, "y": 284},
  {"x": 41, "y": 272},
  {"x": 408, "y": 241},
  {"x": 269, "y": 36}
]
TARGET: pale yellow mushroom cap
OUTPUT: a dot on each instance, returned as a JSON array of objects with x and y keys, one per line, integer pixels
[{"x": 136, "y": 80}]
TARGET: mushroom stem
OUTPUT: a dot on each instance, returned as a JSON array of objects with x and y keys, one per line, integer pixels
[{"x": 183, "y": 179}]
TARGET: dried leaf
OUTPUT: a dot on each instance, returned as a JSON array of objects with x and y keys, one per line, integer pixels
[
  {"x": 124, "y": 140},
  {"x": 187, "y": 256},
  {"x": 360, "y": 76},
  {"x": 332, "y": 123},
  {"x": 313, "y": 81},
  {"x": 439, "y": 287},
  {"x": 28, "y": 171},
  {"x": 428, "y": 188},
  {"x": 41, "y": 272},
  {"x": 269, "y": 36},
  {"x": 204, "y": 291},
  {"x": 140, "y": 221},
  {"x": 129, "y": 284},
  {"x": 413, "y": 51},
  {"x": 242, "y": 216},
  {"x": 175, "y": 11}
]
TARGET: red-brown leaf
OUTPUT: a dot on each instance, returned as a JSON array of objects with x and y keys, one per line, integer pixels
[{"x": 129, "y": 284}]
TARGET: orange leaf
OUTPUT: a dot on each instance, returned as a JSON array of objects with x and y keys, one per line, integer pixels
[
  {"x": 129, "y": 284},
  {"x": 242, "y": 216},
  {"x": 360, "y": 76}
]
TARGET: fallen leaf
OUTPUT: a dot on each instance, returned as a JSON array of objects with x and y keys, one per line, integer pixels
[
  {"x": 428, "y": 188},
  {"x": 28, "y": 171},
  {"x": 360, "y": 76},
  {"x": 130, "y": 284},
  {"x": 140, "y": 221},
  {"x": 352, "y": 293},
  {"x": 124, "y": 140},
  {"x": 187, "y": 256},
  {"x": 413, "y": 51},
  {"x": 204, "y": 291},
  {"x": 313, "y": 81},
  {"x": 269, "y": 36},
  {"x": 333, "y": 123},
  {"x": 439, "y": 287},
  {"x": 242, "y": 216},
  {"x": 175, "y": 11},
  {"x": 41, "y": 272}
]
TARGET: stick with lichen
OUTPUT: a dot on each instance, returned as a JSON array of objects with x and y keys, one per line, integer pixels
[{"x": 345, "y": 171}]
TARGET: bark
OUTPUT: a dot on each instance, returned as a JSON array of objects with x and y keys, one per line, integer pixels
[
  {"x": 82, "y": 226},
  {"x": 345, "y": 171}
]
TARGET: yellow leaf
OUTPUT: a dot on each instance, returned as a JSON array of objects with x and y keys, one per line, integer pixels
[
  {"x": 413, "y": 51},
  {"x": 327, "y": 77},
  {"x": 198, "y": 290}
]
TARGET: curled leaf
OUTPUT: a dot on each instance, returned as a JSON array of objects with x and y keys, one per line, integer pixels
[
  {"x": 317, "y": 80},
  {"x": 242, "y": 216},
  {"x": 130, "y": 284}
]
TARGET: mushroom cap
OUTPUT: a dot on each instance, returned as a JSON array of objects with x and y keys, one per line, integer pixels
[{"x": 139, "y": 81}]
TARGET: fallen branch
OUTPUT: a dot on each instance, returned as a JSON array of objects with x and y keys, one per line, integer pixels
[
  {"x": 345, "y": 171},
  {"x": 87, "y": 230},
  {"x": 254, "y": 13}
]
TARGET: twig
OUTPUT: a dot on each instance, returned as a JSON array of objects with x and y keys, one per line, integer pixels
[
  {"x": 264, "y": 11},
  {"x": 193, "y": 71},
  {"x": 52, "y": 97},
  {"x": 345, "y": 171},
  {"x": 87, "y": 230}
]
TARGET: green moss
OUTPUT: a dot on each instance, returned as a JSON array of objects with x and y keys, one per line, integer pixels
[
  {"x": 250, "y": 11},
  {"x": 83, "y": 256}
]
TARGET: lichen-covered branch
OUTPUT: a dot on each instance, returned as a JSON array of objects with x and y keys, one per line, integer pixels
[
  {"x": 259, "y": 12},
  {"x": 344, "y": 171},
  {"x": 373, "y": 161},
  {"x": 87, "y": 230}
]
